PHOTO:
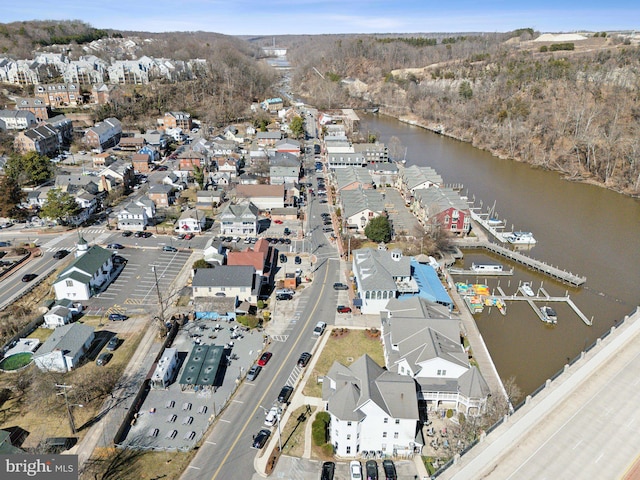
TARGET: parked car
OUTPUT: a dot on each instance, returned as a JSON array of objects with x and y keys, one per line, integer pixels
[
  {"x": 169, "y": 248},
  {"x": 328, "y": 469},
  {"x": 60, "y": 254},
  {"x": 272, "y": 416},
  {"x": 253, "y": 372},
  {"x": 28, "y": 277},
  {"x": 283, "y": 258},
  {"x": 304, "y": 359},
  {"x": 115, "y": 246},
  {"x": 343, "y": 309},
  {"x": 389, "y": 470},
  {"x": 371, "y": 467},
  {"x": 261, "y": 438},
  {"x": 297, "y": 260},
  {"x": 113, "y": 344},
  {"x": 189, "y": 236},
  {"x": 340, "y": 286},
  {"x": 143, "y": 234},
  {"x": 264, "y": 358},
  {"x": 103, "y": 359},
  {"x": 278, "y": 222},
  {"x": 117, "y": 317},
  {"x": 284, "y": 296},
  {"x": 287, "y": 231},
  {"x": 127, "y": 233},
  {"x": 285, "y": 394},
  {"x": 355, "y": 470},
  {"x": 319, "y": 328}
]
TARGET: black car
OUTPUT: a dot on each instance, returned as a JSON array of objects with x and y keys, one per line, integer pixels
[
  {"x": 297, "y": 260},
  {"x": 28, "y": 277},
  {"x": 103, "y": 359},
  {"x": 371, "y": 468},
  {"x": 261, "y": 438},
  {"x": 127, "y": 233},
  {"x": 283, "y": 296},
  {"x": 117, "y": 317},
  {"x": 283, "y": 258},
  {"x": 115, "y": 246},
  {"x": 328, "y": 469},
  {"x": 304, "y": 359},
  {"x": 285, "y": 394},
  {"x": 142, "y": 234},
  {"x": 340, "y": 286},
  {"x": 113, "y": 344},
  {"x": 60, "y": 254},
  {"x": 389, "y": 470}
]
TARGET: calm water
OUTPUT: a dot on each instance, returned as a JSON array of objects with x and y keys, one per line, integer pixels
[{"x": 581, "y": 228}]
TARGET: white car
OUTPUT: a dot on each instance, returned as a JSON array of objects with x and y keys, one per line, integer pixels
[
  {"x": 319, "y": 328},
  {"x": 272, "y": 417},
  {"x": 355, "y": 469}
]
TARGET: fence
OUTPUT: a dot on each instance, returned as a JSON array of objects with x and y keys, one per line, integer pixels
[{"x": 555, "y": 376}]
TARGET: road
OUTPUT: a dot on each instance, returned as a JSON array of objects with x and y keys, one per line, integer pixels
[{"x": 226, "y": 452}]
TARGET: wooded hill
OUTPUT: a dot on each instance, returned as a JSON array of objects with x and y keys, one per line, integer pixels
[{"x": 576, "y": 111}]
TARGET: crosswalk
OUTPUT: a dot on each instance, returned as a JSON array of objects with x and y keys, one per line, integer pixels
[{"x": 57, "y": 249}]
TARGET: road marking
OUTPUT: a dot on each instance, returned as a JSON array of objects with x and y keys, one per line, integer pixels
[
  {"x": 577, "y": 444},
  {"x": 195, "y": 468},
  {"x": 236, "y": 401},
  {"x": 210, "y": 443},
  {"x": 598, "y": 459},
  {"x": 264, "y": 395},
  {"x": 225, "y": 421}
]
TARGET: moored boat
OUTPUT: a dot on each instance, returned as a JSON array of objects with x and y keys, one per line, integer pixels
[
  {"x": 527, "y": 290},
  {"x": 549, "y": 315},
  {"x": 486, "y": 267},
  {"x": 521, "y": 238}
]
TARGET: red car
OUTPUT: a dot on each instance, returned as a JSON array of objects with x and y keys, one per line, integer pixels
[
  {"x": 264, "y": 359},
  {"x": 278, "y": 222},
  {"x": 343, "y": 309},
  {"x": 189, "y": 236}
]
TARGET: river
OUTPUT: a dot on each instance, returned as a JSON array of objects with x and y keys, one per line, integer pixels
[{"x": 581, "y": 228}]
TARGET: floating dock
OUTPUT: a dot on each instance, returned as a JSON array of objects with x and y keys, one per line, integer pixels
[{"x": 488, "y": 273}]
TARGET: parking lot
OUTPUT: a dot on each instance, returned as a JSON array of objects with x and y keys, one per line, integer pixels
[
  {"x": 186, "y": 410},
  {"x": 135, "y": 288}
]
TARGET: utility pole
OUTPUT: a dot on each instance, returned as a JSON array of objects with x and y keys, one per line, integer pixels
[
  {"x": 155, "y": 275},
  {"x": 72, "y": 423}
]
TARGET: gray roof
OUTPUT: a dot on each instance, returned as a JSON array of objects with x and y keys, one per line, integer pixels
[
  {"x": 415, "y": 307},
  {"x": 414, "y": 176},
  {"x": 106, "y": 125},
  {"x": 240, "y": 210},
  {"x": 224, "y": 276},
  {"x": 440, "y": 199},
  {"x": 67, "y": 338},
  {"x": 366, "y": 381},
  {"x": 358, "y": 200},
  {"x": 160, "y": 188},
  {"x": 284, "y": 159},
  {"x": 352, "y": 174},
  {"x": 377, "y": 269},
  {"x": 473, "y": 385}
]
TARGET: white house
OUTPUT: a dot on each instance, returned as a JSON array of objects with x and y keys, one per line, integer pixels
[
  {"x": 65, "y": 347},
  {"x": 360, "y": 205},
  {"x": 133, "y": 218},
  {"x": 241, "y": 282},
  {"x": 61, "y": 313},
  {"x": 380, "y": 276},
  {"x": 239, "y": 219},
  {"x": 371, "y": 409},
  {"x": 265, "y": 197},
  {"x": 191, "y": 221},
  {"x": 421, "y": 341},
  {"x": 88, "y": 274}
]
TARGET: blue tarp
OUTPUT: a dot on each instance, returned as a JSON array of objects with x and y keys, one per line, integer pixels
[{"x": 430, "y": 285}]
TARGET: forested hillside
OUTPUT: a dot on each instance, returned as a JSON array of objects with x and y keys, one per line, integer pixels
[{"x": 573, "y": 108}]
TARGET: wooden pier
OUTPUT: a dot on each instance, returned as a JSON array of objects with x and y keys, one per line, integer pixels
[
  {"x": 487, "y": 273},
  {"x": 554, "y": 272}
]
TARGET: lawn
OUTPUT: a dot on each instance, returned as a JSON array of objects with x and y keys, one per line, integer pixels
[
  {"x": 41, "y": 334},
  {"x": 136, "y": 464},
  {"x": 345, "y": 348},
  {"x": 293, "y": 432}
]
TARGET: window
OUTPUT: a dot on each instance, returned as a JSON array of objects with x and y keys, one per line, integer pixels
[
  {"x": 348, "y": 450},
  {"x": 348, "y": 424},
  {"x": 348, "y": 437},
  {"x": 384, "y": 434},
  {"x": 395, "y": 435},
  {"x": 397, "y": 421},
  {"x": 69, "y": 283},
  {"x": 386, "y": 420}
]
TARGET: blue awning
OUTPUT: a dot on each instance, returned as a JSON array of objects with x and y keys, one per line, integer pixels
[{"x": 430, "y": 285}]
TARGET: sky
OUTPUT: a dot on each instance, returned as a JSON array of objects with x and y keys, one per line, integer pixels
[{"x": 278, "y": 17}]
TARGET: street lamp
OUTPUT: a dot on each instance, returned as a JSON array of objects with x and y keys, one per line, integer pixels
[
  {"x": 266, "y": 412},
  {"x": 155, "y": 274},
  {"x": 72, "y": 423}
]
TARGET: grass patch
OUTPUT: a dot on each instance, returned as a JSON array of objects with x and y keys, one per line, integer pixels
[
  {"x": 41, "y": 334},
  {"x": 293, "y": 437},
  {"x": 135, "y": 464},
  {"x": 345, "y": 349}
]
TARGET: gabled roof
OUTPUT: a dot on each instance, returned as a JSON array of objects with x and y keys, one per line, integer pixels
[
  {"x": 473, "y": 385},
  {"x": 377, "y": 269},
  {"x": 241, "y": 210},
  {"x": 352, "y": 174},
  {"x": 440, "y": 199},
  {"x": 366, "y": 381},
  {"x": 359, "y": 200},
  {"x": 90, "y": 262},
  {"x": 68, "y": 338}
]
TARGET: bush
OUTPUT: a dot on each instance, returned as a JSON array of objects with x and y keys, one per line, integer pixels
[
  {"x": 324, "y": 416},
  {"x": 327, "y": 450},
  {"x": 561, "y": 46},
  {"x": 250, "y": 321},
  {"x": 544, "y": 48},
  {"x": 319, "y": 432},
  {"x": 261, "y": 304},
  {"x": 449, "y": 413}
]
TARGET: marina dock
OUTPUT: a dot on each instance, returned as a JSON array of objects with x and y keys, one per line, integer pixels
[
  {"x": 542, "y": 267},
  {"x": 495, "y": 273}
]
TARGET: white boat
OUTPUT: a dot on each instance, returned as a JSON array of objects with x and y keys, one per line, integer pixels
[
  {"x": 521, "y": 238},
  {"x": 486, "y": 267},
  {"x": 527, "y": 290},
  {"x": 549, "y": 315},
  {"x": 494, "y": 222}
]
